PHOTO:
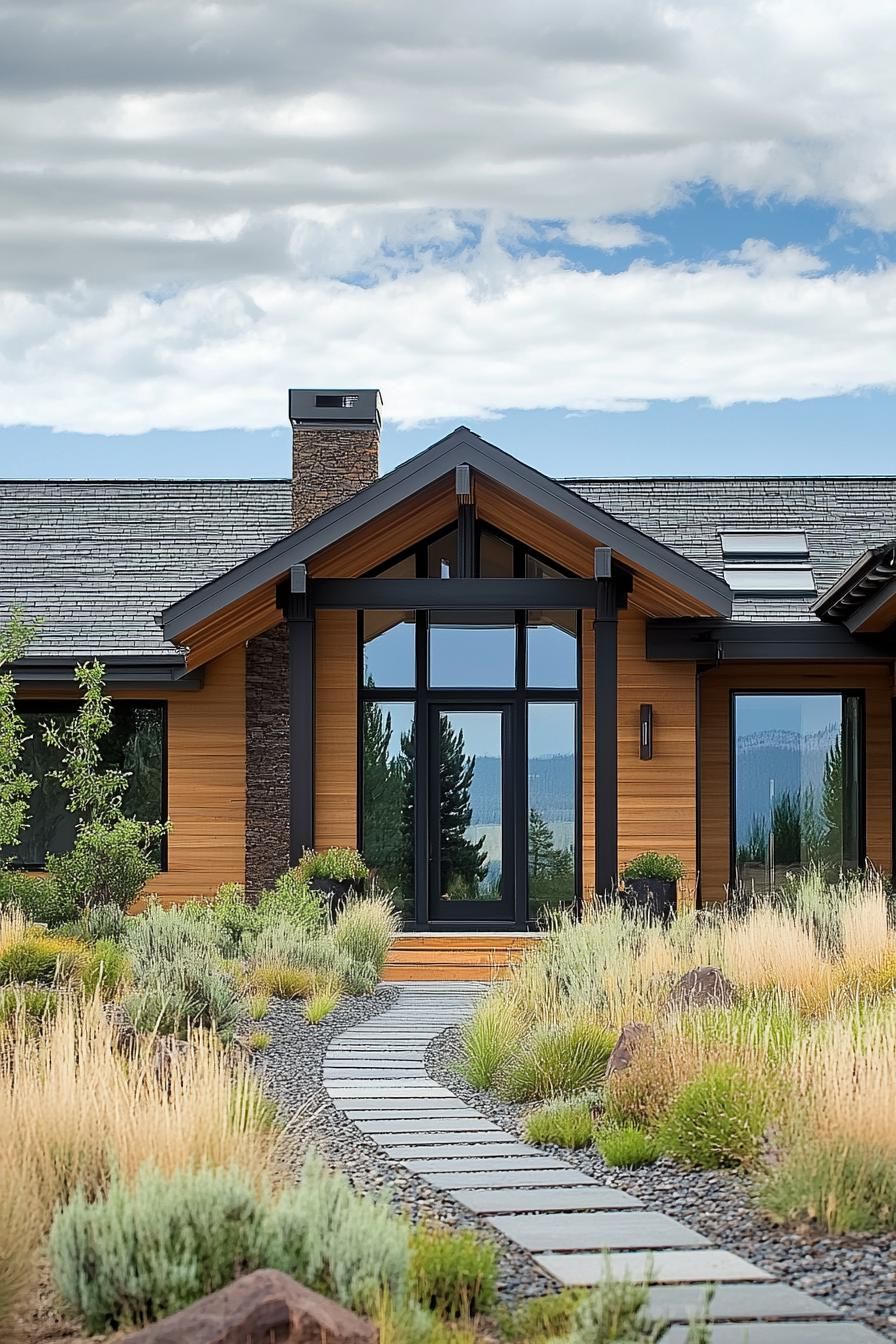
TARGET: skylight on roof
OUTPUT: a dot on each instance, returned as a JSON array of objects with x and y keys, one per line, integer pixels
[
  {"x": 785, "y": 545},
  {"x": 756, "y": 580}
]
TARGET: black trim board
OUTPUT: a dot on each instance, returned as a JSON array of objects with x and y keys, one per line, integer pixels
[
  {"x": 461, "y": 447},
  {"x": 452, "y": 594},
  {"x": 119, "y": 672},
  {"x": 714, "y": 642}
]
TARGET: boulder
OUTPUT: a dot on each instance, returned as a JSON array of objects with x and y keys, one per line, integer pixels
[
  {"x": 266, "y": 1307},
  {"x": 703, "y": 987},
  {"x": 625, "y": 1047}
]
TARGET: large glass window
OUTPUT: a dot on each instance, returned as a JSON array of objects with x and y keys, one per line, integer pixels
[
  {"x": 552, "y": 833},
  {"x": 136, "y": 743},
  {"x": 388, "y": 753},
  {"x": 472, "y": 649},
  {"x": 797, "y": 785}
]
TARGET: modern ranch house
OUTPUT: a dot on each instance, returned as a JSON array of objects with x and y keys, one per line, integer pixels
[{"x": 498, "y": 685}]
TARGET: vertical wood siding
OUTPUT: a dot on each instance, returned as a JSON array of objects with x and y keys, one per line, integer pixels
[
  {"x": 716, "y": 686},
  {"x": 336, "y": 730},
  {"x": 657, "y": 798}
]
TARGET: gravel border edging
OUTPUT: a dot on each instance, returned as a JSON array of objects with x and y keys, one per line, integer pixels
[{"x": 855, "y": 1275}]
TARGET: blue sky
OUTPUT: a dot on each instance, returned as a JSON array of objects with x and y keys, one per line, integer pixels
[{"x": 663, "y": 245}]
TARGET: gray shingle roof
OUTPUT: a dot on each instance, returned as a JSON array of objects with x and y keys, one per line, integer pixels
[{"x": 98, "y": 560}]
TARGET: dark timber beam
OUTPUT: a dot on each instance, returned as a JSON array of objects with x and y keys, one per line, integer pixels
[
  {"x": 450, "y": 594},
  {"x": 611, "y": 590},
  {"x": 705, "y": 641},
  {"x": 300, "y": 636}
]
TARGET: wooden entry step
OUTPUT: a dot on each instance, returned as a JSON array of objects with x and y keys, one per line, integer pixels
[{"x": 454, "y": 956}]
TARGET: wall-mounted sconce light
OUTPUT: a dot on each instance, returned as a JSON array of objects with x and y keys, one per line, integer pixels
[{"x": 645, "y": 750}]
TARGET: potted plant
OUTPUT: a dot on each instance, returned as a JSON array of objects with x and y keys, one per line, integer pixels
[
  {"x": 650, "y": 883},
  {"x": 336, "y": 874}
]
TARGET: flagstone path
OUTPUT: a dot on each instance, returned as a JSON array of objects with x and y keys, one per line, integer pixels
[{"x": 571, "y": 1224}]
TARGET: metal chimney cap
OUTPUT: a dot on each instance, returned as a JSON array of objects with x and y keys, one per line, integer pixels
[{"x": 343, "y": 408}]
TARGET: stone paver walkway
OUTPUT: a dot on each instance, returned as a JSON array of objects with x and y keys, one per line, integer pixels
[{"x": 571, "y": 1224}]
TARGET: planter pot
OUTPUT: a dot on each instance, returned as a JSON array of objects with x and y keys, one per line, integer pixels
[
  {"x": 654, "y": 896},
  {"x": 336, "y": 892}
]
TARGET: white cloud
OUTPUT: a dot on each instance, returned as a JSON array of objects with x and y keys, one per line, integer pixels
[
  {"x": 243, "y": 157},
  {"x": 449, "y": 340}
]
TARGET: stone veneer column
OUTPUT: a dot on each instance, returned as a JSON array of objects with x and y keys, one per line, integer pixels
[{"x": 330, "y": 463}]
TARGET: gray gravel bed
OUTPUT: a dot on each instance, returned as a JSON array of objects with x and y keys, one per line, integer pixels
[
  {"x": 855, "y": 1275},
  {"x": 291, "y": 1069}
]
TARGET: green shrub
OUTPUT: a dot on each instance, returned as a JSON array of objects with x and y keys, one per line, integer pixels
[
  {"x": 31, "y": 1003},
  {"x": 257, "y": 1006},
  {"x": 107, "y": 864},
  {"x": 229, "y": 919},
  {"x": 664, "y": 867},
  {"x": 320, "y": 1005},
  {"x": 102, "y": 923},
  {"x": 488, "y": 1039},
  {"x": 170, "y": 936},
  {"x": 39, "y": 898},
  {"x": 452, "y": 1272},
  {"x": 292, "y": 901},
  {"x": 347, "y": 1246},
  {"x": 567, "y": 1122},
  {"x": 540, "y": 1320},
  {"x": 716, "y": 1120},
  {"x": 555, "y": 1060},
  {"x": 138, "y": 1254},
  {"x": 40, "y": 958},
  {"x": 840, "y": 1188},
  {"x": 179, "y": 997},
  {"x": 105, "y": 969},
  {"x": 365, "y": 930},
  {"x": 287, "y": 945},
  {"x": 141, "y": 1252},
  {"x": 274, "y": 980},
  {"x": 339, "y": 865},
  {"x": 616, "y": 1313},
  {"x": 626, "y": 1146}
]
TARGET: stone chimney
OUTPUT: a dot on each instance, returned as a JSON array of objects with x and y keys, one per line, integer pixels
[{"x": 335, "y": 448}]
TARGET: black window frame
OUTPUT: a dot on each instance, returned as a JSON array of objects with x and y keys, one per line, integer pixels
[
  {"x": 519, "y": 696},
  {"x": 858, "y": 694},
  {"x": 71, "y": 705}
]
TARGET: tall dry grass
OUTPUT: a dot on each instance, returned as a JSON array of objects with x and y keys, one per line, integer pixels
[
  {"x": 72, "y": 1110},
  {"x": 20, "y": 1237}
]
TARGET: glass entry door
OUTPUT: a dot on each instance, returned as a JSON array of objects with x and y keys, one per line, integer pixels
[{"x": 471, "y": 817}]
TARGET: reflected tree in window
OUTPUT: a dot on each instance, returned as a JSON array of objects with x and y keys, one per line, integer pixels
[
  {"x": 464, "y": 862},
  {"x": 551, "y": 867},
  {"x": 388, "y": 798}
]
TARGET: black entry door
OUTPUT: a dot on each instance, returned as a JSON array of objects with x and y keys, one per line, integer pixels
[{"x": 471, "y": 820}]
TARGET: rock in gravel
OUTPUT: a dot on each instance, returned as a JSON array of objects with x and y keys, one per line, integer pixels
[
  {"x": 625, "y": 1047},
  {"x": 703, "y": 987},
  {"x": 256, "y": 1309}
]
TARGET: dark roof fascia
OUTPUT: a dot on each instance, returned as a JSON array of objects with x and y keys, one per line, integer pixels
[
  {"x": 856, "y": 618},
  {"x": 427, "y": 467},
  {"x": 851, "y": 589},
  {"x": 707, "y": 641},
  {"x": 120, "y": 672}
]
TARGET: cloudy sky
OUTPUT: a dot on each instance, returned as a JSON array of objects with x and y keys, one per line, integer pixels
[{"x": 612, "y": 237}]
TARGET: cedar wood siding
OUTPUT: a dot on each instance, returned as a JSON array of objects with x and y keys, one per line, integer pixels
[
  {"x": 716, "y": 686},
  {"x": 206, "y": 778}
]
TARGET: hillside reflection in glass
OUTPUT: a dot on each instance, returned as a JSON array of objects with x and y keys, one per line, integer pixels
[
  {"x": 388, "y": 797},
  {"x": 796, "y": 785},
  {"x": 471, "y": 841},
  {"x": 552, "y": 808}
]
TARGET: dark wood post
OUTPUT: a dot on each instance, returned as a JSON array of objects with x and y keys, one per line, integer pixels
[
  {"x": 606, "y": 788},
  {"x": 300, "y": 628}
]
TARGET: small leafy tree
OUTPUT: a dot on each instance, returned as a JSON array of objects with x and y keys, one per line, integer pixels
[
  {"x": 113, "y": 854},
  {"x": 15, "y": 784}
]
